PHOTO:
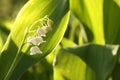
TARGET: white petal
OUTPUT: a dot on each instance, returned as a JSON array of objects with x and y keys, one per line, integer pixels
[
  {"x": 35, "y": 40},
  {"x": 41, "y": 32},
  {"x": 29, "y": 39},
  {"x": 35, "y": 50}
]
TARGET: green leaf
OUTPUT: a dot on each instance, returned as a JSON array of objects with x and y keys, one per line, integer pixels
[
  {"x": 100, "y": 17},
  {"x": 111, "y": 21},
  {"x": 68, "y": 66},
  {"x": 116, "y": 72},
  {"x": 101, "y": 59},
  {"x": 13, "y": 63},
  {"x": 89, "y": 12}
]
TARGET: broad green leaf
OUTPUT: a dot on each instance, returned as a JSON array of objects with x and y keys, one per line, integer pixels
[
  {"x": 101, "y": 59},
  {"x": 101, "y": 18},
  {"x": 112, "y": 21},
  {"x": 116, "y": 72},
  {"x": 14, "y": 63},
  {"x": 68, "y": 66},
  {"x": 89, "y": 12}
]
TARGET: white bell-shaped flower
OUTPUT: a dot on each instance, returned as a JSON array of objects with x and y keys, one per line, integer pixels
[
  {"x": 35, "y": 40},
  {"x": 43, "y": 30},
  {"x": 35, "y": 50}
]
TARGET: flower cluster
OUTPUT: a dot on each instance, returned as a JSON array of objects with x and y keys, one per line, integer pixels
[{"x": 41, "y": 32}]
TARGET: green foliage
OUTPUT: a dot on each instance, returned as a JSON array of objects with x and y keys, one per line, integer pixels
[
  {"x": 111, "y": 21},
  {"x": 90, "y": 13},
  {"x": 89, "y": 50},
  {"x": 101, "y": 59}
]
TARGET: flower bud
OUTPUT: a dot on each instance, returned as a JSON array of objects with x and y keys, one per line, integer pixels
[{"x": 49, "y": 22}]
